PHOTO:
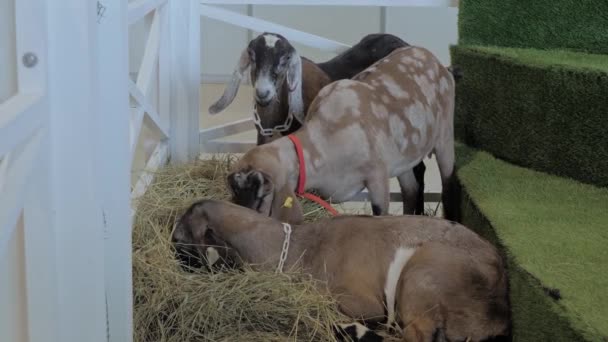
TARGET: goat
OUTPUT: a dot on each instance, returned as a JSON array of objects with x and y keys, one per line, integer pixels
[
  {"x": 430, "y": 278},
  {"x": 285, "y": 83},
  {"x": 281, "y": 91},
  {"x": 359, "y": 133}
]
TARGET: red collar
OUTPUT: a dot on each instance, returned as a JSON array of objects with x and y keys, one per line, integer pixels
[{"x": 302, "y": 178}]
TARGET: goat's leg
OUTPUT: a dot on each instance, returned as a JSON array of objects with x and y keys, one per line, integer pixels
[
  {"x": 419, "y": 171},
  {"x": 361, "y": 306},
  {"x": 379, "y": 193},
  {"x": 422, "y": 323},
  {"x": 261, "y": 139},
  {"x": 409, "y": 192},
  {"x": 356, "y": 332},
  {"x": 423, "y": 330},
  {"x": 449, "y": 194}
]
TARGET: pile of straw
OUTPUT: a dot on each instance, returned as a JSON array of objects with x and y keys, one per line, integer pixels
[{"x": 176, "y": 306}]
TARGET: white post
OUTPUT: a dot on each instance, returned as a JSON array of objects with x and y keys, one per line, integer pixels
[
  {"x": 184, "y": 22},
  {"x": 113, "y": 160},
  {"x": 164, "y": 69},
  {"x": 75, "y": 219},
  {"x": 43, "y": 308},
  {"x": 40, "y": 265}
]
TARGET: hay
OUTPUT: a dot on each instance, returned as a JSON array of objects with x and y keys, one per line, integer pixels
[{"x": 173, "y": 305}]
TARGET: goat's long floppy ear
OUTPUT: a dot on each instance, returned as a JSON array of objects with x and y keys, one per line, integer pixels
[
  {"x": 286, "y": 207},
  {"x": 294, "y": 83},
  {"x": 232, "y": 87}
]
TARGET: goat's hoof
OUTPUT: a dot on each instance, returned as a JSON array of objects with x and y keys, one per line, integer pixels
[{"x": 356, "y": 332}]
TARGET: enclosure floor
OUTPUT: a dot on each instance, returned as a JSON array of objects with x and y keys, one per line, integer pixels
[{"x": 241, "y": 108}]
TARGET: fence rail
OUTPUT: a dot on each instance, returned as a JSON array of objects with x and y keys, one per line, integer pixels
[
  {"x": 375, "y": 3},
  {"x": 140, "y": 91},
  {"x": 19, "y": 118},
  {"x": 15, "y": 170},
  {"x": 261, "y": 25},
  {"x": 139, "y": 9}
]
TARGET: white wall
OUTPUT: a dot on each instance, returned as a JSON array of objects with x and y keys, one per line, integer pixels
[
  {"x": 433, "y": 28},
  {"x": 223, "y": 44},
  {"x": 343, "y": 24}
]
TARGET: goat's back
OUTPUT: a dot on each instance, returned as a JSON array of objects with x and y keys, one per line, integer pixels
[
  {"x": 403, "y": 229},
  {"x": 401, "y": 105},
  {"x": 382, "y": 236},
  {"x": 366, "y": 52}
]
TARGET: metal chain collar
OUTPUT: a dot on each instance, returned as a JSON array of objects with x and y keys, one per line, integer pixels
[
  {"x": 285, "y": 250},
  {"x": 268, "y": 132}
]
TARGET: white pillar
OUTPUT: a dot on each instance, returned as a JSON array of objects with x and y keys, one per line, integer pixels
[
  {"x": 112, "y": 164},
  {"x": 184, "y": 22},
  {"x": 76, "y": 220}
]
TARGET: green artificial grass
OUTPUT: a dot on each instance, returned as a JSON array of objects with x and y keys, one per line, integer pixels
[
  {"x": 554, "y": 233},
  {"x": 574, "y": 61},
  {"x": 579, "y": 25},
  {"x": 545, "y": 110}
]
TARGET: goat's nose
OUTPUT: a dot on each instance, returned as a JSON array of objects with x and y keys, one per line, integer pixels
[{"x": 262, "y": 94}]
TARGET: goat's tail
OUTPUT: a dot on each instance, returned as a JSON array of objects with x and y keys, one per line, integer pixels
[{"x": 456, "y": 72}]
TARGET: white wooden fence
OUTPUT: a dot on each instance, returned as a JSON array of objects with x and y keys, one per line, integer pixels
[
  {"x": 67, "y": 141},
  {"x": 70, "y": 134}
]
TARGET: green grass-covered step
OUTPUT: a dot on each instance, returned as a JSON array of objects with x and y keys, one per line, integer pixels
[
  {"x": 543, "y": 24},
  {"x": 547, "y": 110},
  {"x": 554, "y": 234}
]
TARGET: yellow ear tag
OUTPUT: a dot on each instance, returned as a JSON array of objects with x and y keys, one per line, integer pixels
[{"x": 288, "y": 202}]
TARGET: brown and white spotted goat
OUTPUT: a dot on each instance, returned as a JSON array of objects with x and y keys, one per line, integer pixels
[
  {"x": 433, "y": 279},
  {"x": 359, "y": 133}
]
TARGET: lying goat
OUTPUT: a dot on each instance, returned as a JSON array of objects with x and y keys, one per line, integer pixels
[
  {"x": 359, "y": 133},
  {"x": 432, "y": 278}
]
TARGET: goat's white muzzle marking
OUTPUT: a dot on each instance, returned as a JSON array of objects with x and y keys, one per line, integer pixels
[
  {"x": 212, "y": 256},
  {"x": 265, "y": 86}
]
